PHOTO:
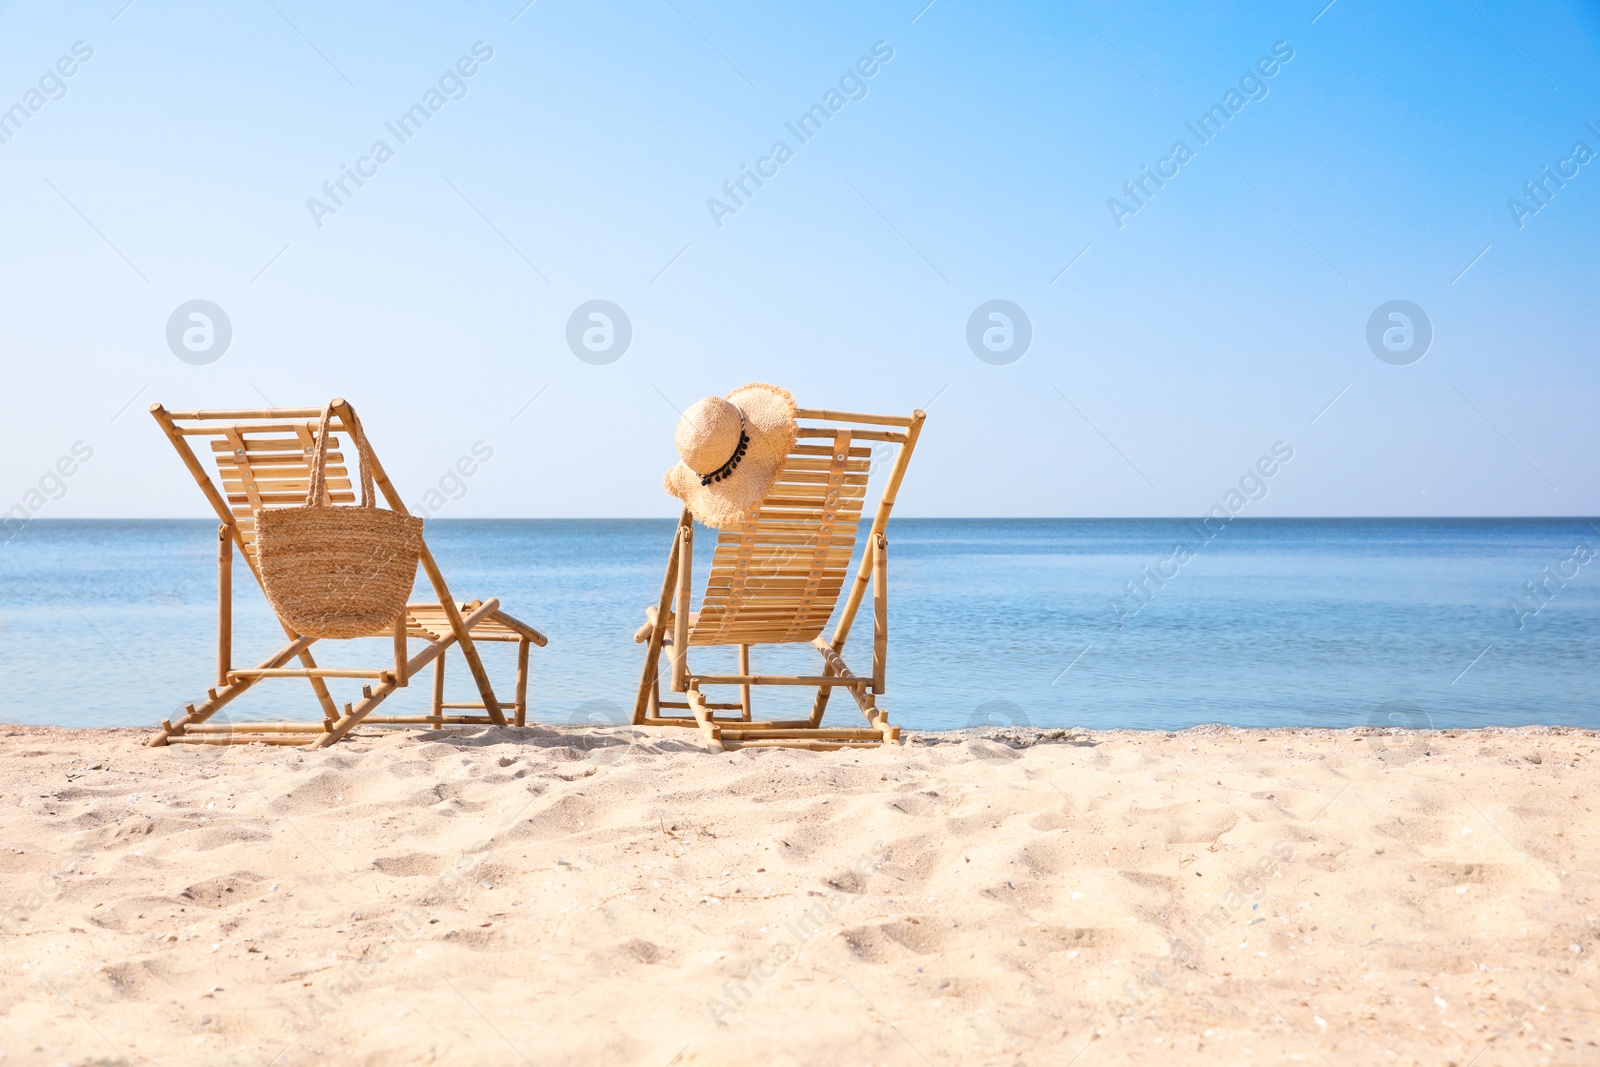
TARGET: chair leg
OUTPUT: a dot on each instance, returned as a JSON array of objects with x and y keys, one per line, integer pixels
[
  {"x": 709, "y": 731},
  {"x": 224, "y": 605},
  {"x": 438, "y": 691},
  {"x": 648, "y": 700},
  {"x": 400, "y": 656},
  {"x": 820, "y": 705},
  {"x": 680, "y": 618},
  {"x": 522, "y": 682},
  {"x": 744, "y": 690}
]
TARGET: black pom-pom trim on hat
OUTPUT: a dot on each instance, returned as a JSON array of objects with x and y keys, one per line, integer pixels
[{"x": 727, "y": 469}]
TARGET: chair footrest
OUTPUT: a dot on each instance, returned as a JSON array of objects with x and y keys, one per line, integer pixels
[
  {"x": 304, "y": 739},
  {"x": 729, "y": 724},
  {"x": 737, "y": 733},
  {"x": 820, "y": 681},
  {"x": 426, "y": 720},
  {"x": 815, "y": 745}
]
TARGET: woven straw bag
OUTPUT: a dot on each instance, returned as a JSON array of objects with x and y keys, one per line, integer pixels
[{"x": 334, "y": 571}]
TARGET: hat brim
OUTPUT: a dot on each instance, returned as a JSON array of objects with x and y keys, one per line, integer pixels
[{"x": 770, "y": 422}]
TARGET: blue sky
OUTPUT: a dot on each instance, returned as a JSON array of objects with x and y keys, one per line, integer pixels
[{"x": 1223, "y": 316}]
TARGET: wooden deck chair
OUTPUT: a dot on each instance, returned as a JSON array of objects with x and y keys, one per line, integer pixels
[
  {"x": 775, "y": 579},
  {"x": 263, "y": 460}
]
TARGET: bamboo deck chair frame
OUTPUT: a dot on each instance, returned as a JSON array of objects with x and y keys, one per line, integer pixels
[
  {"x": 776, "y": 579},
  {"x": 262, "y": 460}
]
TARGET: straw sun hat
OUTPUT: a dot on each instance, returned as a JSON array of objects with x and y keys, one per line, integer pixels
[{"x": 731, "y": 448}]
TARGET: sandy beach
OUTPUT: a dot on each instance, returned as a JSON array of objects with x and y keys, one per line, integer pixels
[{"x": 556, "y": 896}]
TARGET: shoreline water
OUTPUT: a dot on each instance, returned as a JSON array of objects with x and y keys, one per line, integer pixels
[
  {"x": 1319, "y": 623},
  {"x": 1016, "y": 737}
]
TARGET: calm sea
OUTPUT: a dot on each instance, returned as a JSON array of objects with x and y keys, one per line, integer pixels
[{"x": 1270, "y": 622}]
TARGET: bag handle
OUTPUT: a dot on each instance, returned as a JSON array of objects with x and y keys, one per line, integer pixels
[{"x": 319, "y": 458}]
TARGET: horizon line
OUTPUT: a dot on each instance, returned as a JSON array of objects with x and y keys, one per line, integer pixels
[{"x": 901, "y": 518}]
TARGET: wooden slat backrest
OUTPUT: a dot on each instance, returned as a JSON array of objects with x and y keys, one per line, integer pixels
[
  {"x": 269, "y": 468},
  {"x": 777, "y": 577}
]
